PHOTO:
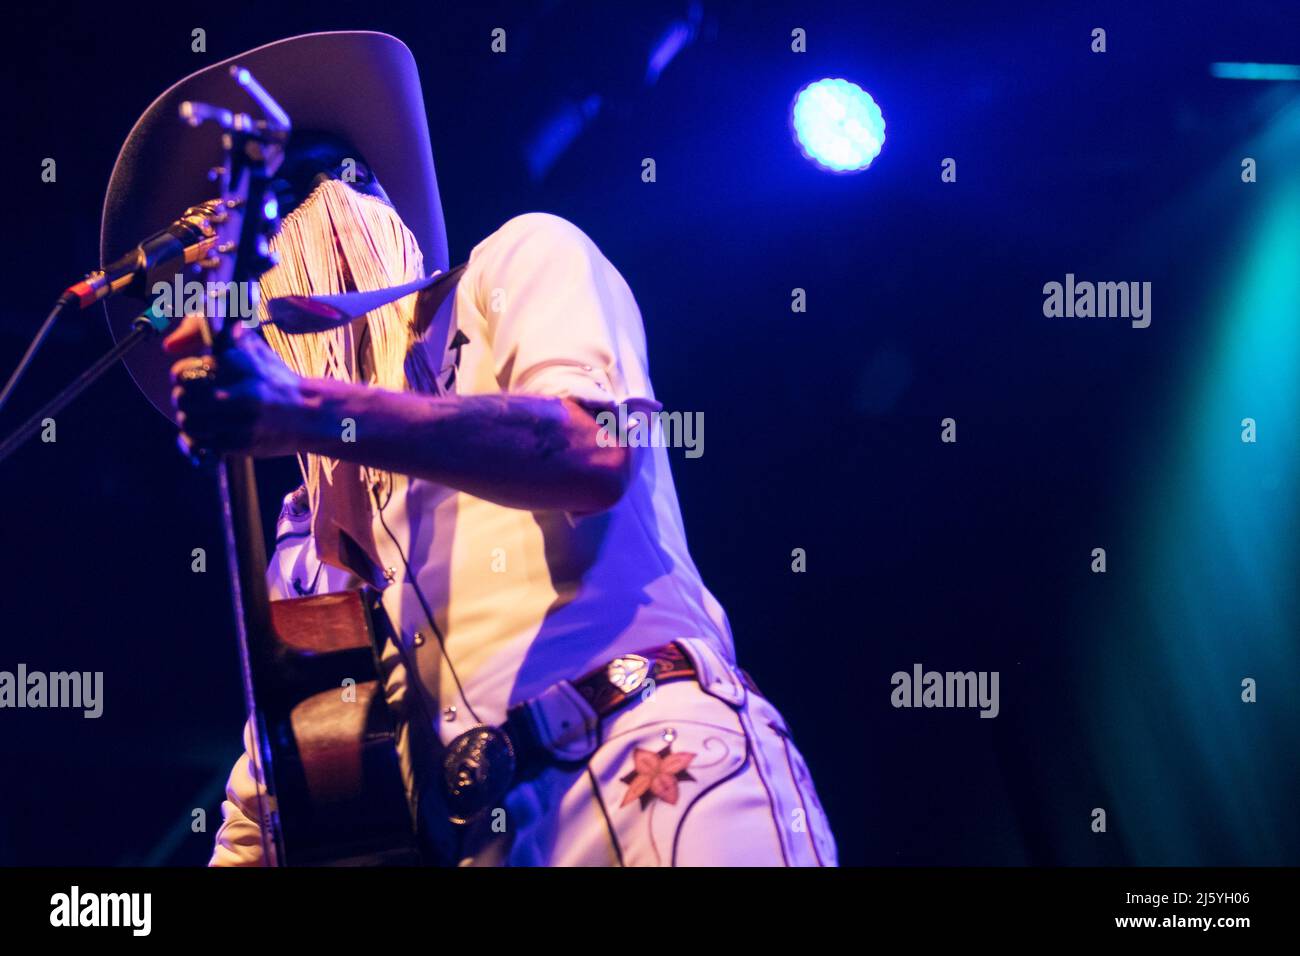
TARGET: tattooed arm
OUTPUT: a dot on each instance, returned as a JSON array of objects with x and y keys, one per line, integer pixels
[{"x": 521, "y": 451}]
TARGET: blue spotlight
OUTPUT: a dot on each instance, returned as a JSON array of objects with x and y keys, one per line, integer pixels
[{"x": 837, "y": 125}]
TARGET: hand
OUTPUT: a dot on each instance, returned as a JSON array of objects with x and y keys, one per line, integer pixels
[{"x": 245, "y": 401}]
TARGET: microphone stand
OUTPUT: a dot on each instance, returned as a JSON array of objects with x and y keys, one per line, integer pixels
[{"x": 143, "y": 328}]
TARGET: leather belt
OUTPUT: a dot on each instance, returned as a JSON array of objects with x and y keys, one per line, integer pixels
[{"x": 481, "y": 765}]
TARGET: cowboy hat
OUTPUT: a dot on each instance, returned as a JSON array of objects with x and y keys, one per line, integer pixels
[{"x": 358, "y": 85}]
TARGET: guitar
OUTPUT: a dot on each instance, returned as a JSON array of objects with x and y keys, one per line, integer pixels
[{"x": 330, "y": 789}]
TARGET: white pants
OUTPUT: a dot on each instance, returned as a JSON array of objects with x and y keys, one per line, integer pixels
[{"x": 683, "y": 778}]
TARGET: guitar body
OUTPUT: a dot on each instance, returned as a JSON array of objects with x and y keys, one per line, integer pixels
[
  {"x": 333, "y": 741},
  {"x": 326, "y": 739}
]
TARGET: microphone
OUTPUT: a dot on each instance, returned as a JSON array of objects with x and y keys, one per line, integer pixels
[{"x": 185, "y": 241}]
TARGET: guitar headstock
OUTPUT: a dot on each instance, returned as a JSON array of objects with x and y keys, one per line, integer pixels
[{"x": 245, "y": 214}]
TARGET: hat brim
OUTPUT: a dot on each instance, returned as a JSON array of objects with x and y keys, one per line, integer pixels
[{"x": 359, "y": 85}]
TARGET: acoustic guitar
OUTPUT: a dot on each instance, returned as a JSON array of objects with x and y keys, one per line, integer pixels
[{"x": 325, "y": 745}]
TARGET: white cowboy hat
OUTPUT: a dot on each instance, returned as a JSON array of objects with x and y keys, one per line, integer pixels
[{"x": 358, "y": 85}]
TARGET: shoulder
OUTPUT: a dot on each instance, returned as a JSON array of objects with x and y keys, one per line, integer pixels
[
  {"x": 530, "y": 239},
  {"x": 535, "y": 227}
]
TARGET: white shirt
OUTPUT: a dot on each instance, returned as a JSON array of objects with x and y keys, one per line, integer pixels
[{"x": 524, "y": 599}]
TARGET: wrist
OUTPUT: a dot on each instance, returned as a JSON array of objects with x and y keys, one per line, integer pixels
[{"x": 326, "y": 408}]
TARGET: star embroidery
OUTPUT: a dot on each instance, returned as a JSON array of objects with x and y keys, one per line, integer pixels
[{"x": 656, "y": 775}]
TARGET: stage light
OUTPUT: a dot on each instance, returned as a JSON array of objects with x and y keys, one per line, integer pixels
[
  {"x": 837, "y": 125},
  {"x": 556, "y": 133},
  {"x": 679, "y": 35},
  {"x": 1255, "y": 71}
]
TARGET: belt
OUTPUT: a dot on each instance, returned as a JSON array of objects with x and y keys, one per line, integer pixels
[{"x": 481, "y": 765}]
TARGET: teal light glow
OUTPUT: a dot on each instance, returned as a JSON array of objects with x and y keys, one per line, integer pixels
[
  {"x": 1255, "y": 71},
  {"x": 1196, "y": 776}
]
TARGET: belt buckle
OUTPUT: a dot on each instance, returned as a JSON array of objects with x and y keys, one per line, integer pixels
[
  {"x": 628, "y": 672},
  {"x": 478, "y": 768}
]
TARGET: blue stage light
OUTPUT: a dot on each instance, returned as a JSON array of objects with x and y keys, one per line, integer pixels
[
  {"x": 837, "y": 125},
  {"x": 1255, "y": 71}
]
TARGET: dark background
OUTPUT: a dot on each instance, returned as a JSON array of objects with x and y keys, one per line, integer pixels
[{"x": 1118, "y": 691}]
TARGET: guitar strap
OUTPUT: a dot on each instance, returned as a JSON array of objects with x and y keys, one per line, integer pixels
[{"x": 437, "y": 303}]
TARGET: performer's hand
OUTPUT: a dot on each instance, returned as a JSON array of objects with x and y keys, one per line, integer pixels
[
  {"x": 187, "y": 338},
  {"x": 246, "y": 400}
]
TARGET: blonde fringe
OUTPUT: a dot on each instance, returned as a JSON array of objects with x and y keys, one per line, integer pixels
[{"x": 379, "y": 251}]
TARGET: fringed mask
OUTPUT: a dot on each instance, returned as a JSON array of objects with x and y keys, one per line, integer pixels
[{"x": 340, "y": 240}]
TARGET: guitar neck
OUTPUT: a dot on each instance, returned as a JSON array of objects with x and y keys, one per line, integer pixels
[{"x": 245, "y": 547}]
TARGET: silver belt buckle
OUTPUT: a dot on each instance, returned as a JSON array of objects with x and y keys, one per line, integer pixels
[{"x": 478, "y": 768}]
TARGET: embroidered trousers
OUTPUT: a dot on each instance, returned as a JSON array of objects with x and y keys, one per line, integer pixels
[{"x": 682, "y": 777}]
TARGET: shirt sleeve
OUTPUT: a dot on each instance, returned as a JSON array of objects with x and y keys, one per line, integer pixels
[
  {"x": 562, "y": 320},
  {"x": 295, "y": 568}
]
